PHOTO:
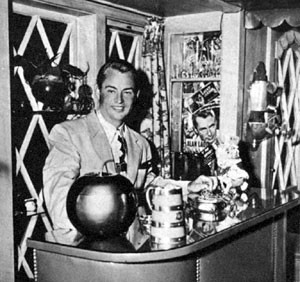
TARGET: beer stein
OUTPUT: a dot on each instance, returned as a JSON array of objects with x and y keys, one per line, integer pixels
[{"x": 167, "y": 229}]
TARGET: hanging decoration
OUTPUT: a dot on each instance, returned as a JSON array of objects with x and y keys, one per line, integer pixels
[{"x": 55, "y": 85}]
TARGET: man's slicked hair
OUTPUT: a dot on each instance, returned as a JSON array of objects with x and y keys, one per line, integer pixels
[
  {"x": 119, "y": 65},
  {"x": 202, "y": 114}
]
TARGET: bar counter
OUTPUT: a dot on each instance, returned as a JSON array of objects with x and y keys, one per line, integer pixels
[{"x": 250, "y": 247}]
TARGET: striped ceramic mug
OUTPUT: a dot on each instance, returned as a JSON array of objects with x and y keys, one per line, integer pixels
[{"x": 168, "y": 222}]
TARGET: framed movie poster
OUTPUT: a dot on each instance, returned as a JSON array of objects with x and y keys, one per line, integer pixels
[{"x": 195, "y": 85}]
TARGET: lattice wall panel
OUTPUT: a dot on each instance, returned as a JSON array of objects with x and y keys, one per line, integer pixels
[
  {"x": 125, "y": 45},
  {"x": 24, "y": 153},
  {"x": 286, "y": 165}
]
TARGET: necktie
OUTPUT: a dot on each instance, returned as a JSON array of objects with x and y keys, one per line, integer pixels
[
  {"x": 208, "y": 160},
  {"x": 122, "y": 148},
  {"x": 121, "y": 166}
]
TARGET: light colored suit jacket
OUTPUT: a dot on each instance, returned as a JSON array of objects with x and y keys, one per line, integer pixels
[{"x": 79, "y": 147}]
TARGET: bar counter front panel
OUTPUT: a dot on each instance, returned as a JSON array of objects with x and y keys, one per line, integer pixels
[{"x": 251, "y": 248}]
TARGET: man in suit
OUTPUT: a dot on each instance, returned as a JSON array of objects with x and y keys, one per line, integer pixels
[{"x": 90, "y": 145}]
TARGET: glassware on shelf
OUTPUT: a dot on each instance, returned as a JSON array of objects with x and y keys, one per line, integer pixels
[{"x": 200, "y": 55}]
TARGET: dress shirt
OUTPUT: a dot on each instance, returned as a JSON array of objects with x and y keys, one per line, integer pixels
[{"x": 112, "y": 134}]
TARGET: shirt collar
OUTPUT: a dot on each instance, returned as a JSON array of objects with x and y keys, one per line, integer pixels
[{"x": 109, "y": 129}]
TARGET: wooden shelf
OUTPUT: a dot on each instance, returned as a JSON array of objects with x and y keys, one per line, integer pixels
[
  {"x": 28, "y": 214},
  {"x": 196, "y": 79},
  {"x": 48, "y": 112}
]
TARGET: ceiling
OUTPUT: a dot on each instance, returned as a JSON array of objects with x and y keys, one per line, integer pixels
[
  {"x": 168, "y": 8},
  {"x": 254, "y": 5}
]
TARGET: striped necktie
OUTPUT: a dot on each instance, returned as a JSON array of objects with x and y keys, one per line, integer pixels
[{"x": 122, "y": 166}]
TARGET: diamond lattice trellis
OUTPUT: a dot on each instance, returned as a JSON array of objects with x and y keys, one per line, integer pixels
[
  {"x": 134, "y": 49},
  {"x": 37, "y": 120},
  {"x": 286, "y": 164}
]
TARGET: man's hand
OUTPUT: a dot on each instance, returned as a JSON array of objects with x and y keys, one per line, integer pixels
[{"x": 203, "y": 182}]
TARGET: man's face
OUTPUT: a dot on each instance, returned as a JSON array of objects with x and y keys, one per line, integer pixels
[
  {"x": 207, "y": 129},
  {"x": 117, "y": 95}
]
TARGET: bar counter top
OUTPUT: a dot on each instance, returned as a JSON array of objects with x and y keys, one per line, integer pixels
[{"x": 264, "y": 208}]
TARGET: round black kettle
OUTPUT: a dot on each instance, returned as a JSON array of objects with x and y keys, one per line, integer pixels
[{"x": 102, "y": 206}]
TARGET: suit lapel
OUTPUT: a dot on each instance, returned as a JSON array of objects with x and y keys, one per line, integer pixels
[
  {"x": 133, "y": 155},
  {"x": 100, "y": 143}
]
